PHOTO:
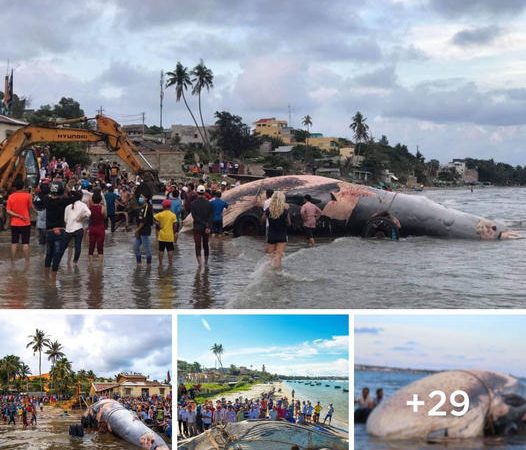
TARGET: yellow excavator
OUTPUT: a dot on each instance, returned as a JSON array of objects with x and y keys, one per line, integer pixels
[{"x": 17, "y": 159}]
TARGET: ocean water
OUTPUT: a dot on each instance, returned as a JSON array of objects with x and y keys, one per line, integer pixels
[
  {"x": 347, "y": 272},
  {"x": 325, "y": 395},
  {"x": 391, "y": 382}
]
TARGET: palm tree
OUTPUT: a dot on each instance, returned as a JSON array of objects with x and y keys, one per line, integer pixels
[
  {"x": 62, "y": 375},
  {"x": 217, "y": 350},
  {"x": 360, "y": 128},
  {"x": 54, "y": 352},
  {"x": 37, "y": 343},
  {"x": 203, "y": 77},
  {"x": 307, "y": 122},
  {"x": 23, "y": 373},
  {"x": 181, "y": 80},
  {"x": 9, "y": 367}
]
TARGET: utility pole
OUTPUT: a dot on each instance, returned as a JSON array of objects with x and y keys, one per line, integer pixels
[
  {"x": 290, "y": 116},
  {"x": 161, "y": 101},
  {"x": 143, "y": 114},
  {"x": 100, "y": 111}
]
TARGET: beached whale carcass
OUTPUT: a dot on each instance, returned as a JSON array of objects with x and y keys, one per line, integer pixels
[
  {"x": 497, "y": 406},
  {"x": 352, "y": 209},
  {"x": 264, "y": 435},
  {"x": 125, "y": 424}
]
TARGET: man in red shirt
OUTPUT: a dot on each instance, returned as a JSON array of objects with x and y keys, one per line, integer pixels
[{"x": 19, "y": 204}]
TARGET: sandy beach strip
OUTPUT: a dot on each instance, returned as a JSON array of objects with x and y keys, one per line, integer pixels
[{"x": 257, "y": 389}]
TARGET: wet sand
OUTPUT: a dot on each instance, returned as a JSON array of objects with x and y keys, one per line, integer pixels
[{"x": 52, "y": 433}]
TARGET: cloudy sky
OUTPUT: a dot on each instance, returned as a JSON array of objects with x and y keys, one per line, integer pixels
[
  {"x": 489, "y": 342},
  {"x": 313, "y": 345},
  {"x": 106, "y": 344},
  {"x": 446, "y": 75}
]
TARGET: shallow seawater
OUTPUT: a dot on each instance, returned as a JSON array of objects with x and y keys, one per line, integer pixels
[
  {"x": 52, "y": 433},
  {"x": 349, "y": 272},
  {"x": 326, "y": 393},
  {"x": 391, "y": 382}
]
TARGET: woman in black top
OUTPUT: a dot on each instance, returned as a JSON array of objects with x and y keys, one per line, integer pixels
[{"x": 278, "y": 218}]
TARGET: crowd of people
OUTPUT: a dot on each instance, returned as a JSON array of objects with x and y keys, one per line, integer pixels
[
  {"x": 73, "y": 203},
  {"x": 194, "y": 418},
  {"x": 155, "y": 411},
  {"x": 21, "y": 409}
]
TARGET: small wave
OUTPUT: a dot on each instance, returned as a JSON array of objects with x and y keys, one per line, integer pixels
[
  {"x": 261, "y": 271},
  {"x": 294, "y": 277}
]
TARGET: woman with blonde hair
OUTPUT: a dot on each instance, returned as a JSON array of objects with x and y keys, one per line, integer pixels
[{"x": 278, "y": 218}]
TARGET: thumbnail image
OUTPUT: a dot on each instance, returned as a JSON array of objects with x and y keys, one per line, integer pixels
[
  {"x": 440, "y": 381},
  {"x": 85, "y": 381},
  {"x": 263, "y": 381}
]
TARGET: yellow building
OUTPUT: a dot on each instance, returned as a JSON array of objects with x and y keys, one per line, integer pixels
[
  {"x": 325, "y": 144},
  {"x": 347, "y": 152},
  {"x": 130, "y": 385},
  {"x": 273, "y": 128}
]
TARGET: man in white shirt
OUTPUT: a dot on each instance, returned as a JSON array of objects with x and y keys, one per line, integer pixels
[{"x": 74, "y": 215}]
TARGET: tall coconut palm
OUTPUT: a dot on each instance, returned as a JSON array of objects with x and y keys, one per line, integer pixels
[
  {"x": 203, "y": 77},
  {"x": 360, "y": 128},
  {"x": 180, "y": 78},
  {"x": 307, "y": 122},
  {"x": 54, "y": 352},
  {"x": 217, "y": 350},
  {"x": 37, "y": 344}
]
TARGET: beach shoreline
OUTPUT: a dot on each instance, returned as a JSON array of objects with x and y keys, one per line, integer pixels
[{"x": 281, "y": 390}]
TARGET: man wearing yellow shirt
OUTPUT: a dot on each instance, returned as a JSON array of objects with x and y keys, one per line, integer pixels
[
  {"x": 167, "y": 221},
  {"x": 317, "y": 412}
]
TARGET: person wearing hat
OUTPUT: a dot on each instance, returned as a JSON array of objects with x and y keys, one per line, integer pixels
[
  {"x": 167, "y": 236},
  {"x": 202, "y": 215}
]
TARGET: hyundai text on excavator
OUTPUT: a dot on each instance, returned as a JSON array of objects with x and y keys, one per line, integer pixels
[{"x": 18, "y": 160}]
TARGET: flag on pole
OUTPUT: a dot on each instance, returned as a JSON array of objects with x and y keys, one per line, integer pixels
[{"x": 168, "y": 377}]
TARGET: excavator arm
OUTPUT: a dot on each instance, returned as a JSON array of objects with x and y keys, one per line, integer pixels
[{"x": 12, "y": 156}]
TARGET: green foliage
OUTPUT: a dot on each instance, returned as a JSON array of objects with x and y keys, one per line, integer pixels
[
  {"x": 274, "y": 141},
  {"x": 304, "y": 153},
  {"x": 74, "y": 152},
  {"x": 233, "y": 137},
  {"x": 154, "y": 129},
  {"x": 300, "y": 135},
  {"x": 274, "y": 162},
  {"x": 501, "y": 174},
  {"x": 68, "y": 108},
  {"x": 360, "y": 128}
]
